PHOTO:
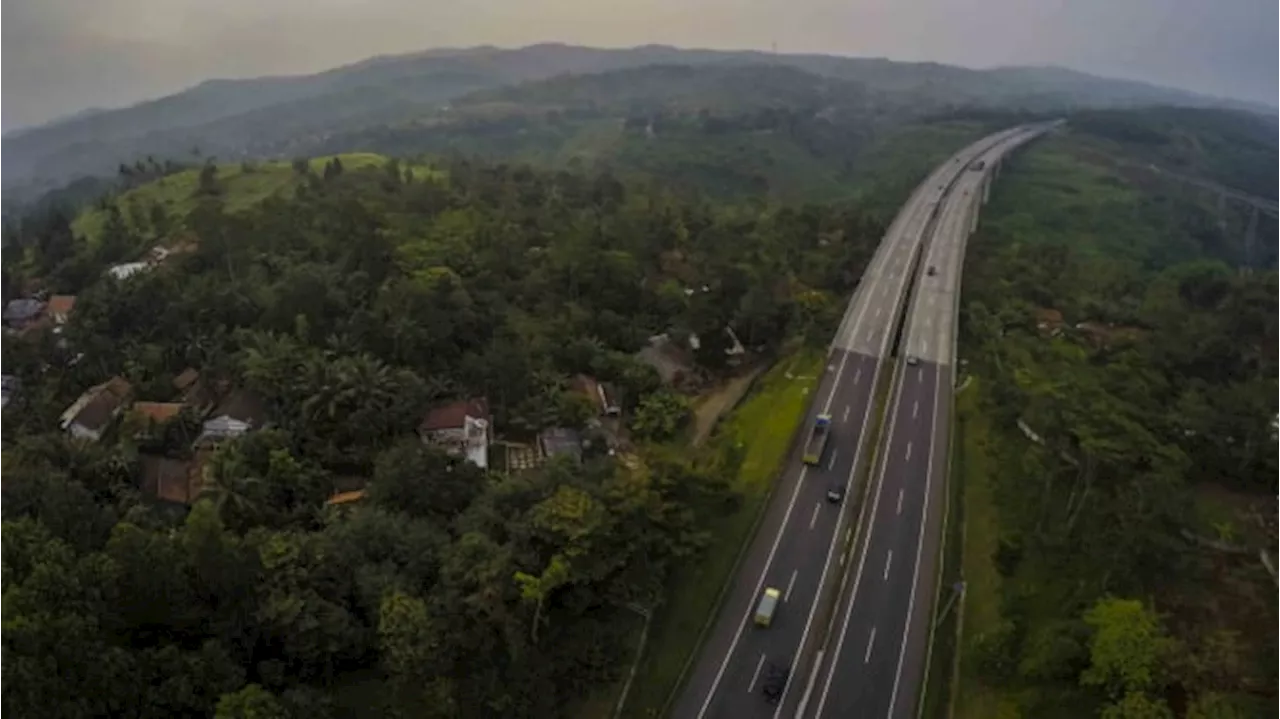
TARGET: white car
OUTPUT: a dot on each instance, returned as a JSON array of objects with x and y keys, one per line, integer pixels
[{"x": 913, "y": 360}]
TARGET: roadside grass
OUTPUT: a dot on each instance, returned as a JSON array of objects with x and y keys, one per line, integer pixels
[
  {"x": 241, "y": 189},
  {"x": 980, "y": 537},
  {"x": 763, "y": 425}
]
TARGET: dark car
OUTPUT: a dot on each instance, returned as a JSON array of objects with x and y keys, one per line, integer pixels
[
  {"x": 835, "y": 494},
  {"x": 932, "y": 270},
  {"x": 775, "y": 682}
]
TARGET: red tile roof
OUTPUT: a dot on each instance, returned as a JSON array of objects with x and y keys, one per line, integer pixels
[
  {"x": 453, "y": 415},
  {"x": 158, "y": 411},
  {"x": 61, "y": 304}
]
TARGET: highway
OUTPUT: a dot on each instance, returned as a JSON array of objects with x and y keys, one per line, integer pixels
[
  {"x": 799, "y": 547},
  {"x": 872, "y": 662}
]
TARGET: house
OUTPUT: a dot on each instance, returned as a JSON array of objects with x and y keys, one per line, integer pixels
[
  {"x": 1049, "y": 321},
  {"x": 240, "y": 412},
  {"x": 146, "y": 416},
  {"x": 59, "y": 308},
  {"x": 19, "y": 314},
  {"x": 673, "y": 362},
  {"x": 561, "y": 442},
  {"x": 610, "y": 405},
  {"x": 195, "y": 392},
  {"x": 10, "y": 384},
  {"x": 125, "y": 270},
  {"x": 603, "y": 395},
  {"x": 90, "y": 415},
  {"x": 463, "y": 428},
  {"x": 169, "y": 480}
]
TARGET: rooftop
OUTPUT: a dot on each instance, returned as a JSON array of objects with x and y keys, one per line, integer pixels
[
  {"x": 98, "y": 404},
  {"x": 346, "y": 497},
  {"x": 558, "y": 441},
  {"x": 62, "y": 304},
  {"x": 158, "y": 412},
  {"x": 454, "y": 415},
  {"x": 170, "y": 480},
  {"x": 186, "y": 378},
  {"x": 23, "y": 309}
]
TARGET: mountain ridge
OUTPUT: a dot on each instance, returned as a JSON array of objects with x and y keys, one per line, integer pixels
[{"x": 270, "y": 115}]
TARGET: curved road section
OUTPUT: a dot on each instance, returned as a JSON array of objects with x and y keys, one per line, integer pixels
[
  {"x": 873, "y": 660},
  {"x": 799, "y": 549}
]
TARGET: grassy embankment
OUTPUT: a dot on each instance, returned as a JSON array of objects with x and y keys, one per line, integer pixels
[{"x": 763, "y": 425}]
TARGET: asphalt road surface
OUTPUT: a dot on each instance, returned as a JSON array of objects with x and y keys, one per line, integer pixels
[
  {"x": 799, "y": 546},
  {"x": 873, "y": 660}
]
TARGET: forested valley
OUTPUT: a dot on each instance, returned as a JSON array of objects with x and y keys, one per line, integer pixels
[
  {"x": 342, "y": 310},
  {"x": 1118, "y": 437}
]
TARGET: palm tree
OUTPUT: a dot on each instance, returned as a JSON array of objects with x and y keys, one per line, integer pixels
[{"x": 228, "y": 483}]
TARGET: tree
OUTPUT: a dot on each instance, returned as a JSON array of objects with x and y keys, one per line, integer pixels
[
  {"x": 660, "y": 416},
  {"x": 207, "y": 183},
  {"x": 1128, "y": 649},
  {"x": 422, "y": 481},
  {"x": 1137, "y": 705},
  {"x": 536, "y": 589},
  {"x": 408, "y": 640},
  {"x": 250, "y": 702}
]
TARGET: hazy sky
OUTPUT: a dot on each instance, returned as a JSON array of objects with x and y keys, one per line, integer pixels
[{"x": 61, "y": 56}]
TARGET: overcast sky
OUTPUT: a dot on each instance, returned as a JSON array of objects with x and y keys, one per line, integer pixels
[{"x": 61, "y": 56}]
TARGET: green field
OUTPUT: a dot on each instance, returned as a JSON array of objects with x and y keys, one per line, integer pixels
[
  {"x": 763, "y": 425},
  {"x": 241, "y": 189}
]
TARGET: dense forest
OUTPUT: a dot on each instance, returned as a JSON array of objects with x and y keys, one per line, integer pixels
[
  {"x": 345, "y": 308},
  {"x": 1120, "y": 430}
]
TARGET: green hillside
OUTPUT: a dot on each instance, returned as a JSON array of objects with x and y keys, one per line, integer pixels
[
  {"x": 243, "y": 185},
  {"x": 1126, "y": 322},
  {"x": 287, "y": 116}
]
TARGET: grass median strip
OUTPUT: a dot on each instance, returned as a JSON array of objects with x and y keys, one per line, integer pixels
[{"x": 763, "y": 425}]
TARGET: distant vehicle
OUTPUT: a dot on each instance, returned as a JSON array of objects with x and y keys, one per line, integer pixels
[
  {"x": 835, "y": 494},
  {"x": 767, "y": 606},
  {"x": 775, "y": 682},
  {"x": 978, "y": 165},
  {"x": 913, "y": 360},
  {"x": 932, "y": 270},
  {"x": 817, "y": 439}
]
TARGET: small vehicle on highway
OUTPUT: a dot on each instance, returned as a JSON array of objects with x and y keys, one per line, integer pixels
[
  {"x": 835, "y": 494},
  {"x": 932, "y": 270},
  {"x": 767, "y": 607},
  {"x": 775, "y": 682},
  {"x": 913, "y": 360}
]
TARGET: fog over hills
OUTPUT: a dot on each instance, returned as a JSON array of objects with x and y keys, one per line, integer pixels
[{"x": 285, "y": 115}]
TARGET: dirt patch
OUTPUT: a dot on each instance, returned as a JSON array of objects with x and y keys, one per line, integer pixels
[{"x": 711, "y": 406}]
